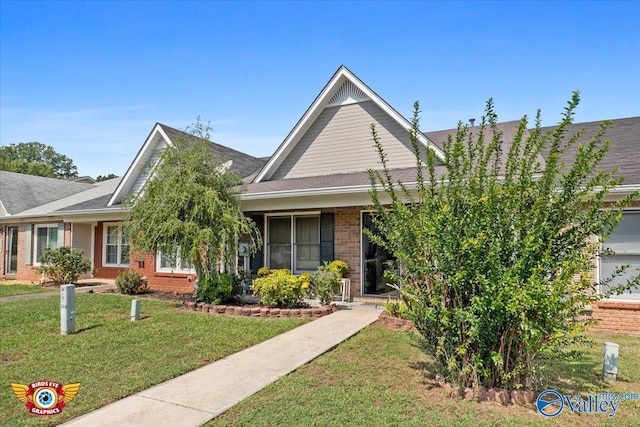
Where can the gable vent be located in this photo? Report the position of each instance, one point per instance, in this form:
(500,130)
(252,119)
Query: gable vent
(347,94)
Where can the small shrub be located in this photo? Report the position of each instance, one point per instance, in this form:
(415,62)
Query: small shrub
(218,288)
(280,288)
(64,265)
(131,282)
(397,308)
(339,267)
(326,283)
(264,271)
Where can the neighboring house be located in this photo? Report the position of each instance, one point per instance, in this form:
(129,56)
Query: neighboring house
(310,200)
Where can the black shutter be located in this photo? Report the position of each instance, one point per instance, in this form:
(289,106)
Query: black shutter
(257,259)
(326,237)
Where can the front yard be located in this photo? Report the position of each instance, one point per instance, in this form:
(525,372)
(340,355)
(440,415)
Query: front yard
(380,378)
(10,289)
(111,356)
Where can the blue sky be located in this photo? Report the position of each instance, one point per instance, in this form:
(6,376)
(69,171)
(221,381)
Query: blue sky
(92,78)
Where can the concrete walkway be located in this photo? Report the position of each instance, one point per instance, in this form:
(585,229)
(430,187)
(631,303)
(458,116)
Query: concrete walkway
(200,395)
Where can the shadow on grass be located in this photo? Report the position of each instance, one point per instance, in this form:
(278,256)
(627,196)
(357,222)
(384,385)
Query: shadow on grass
(88,328)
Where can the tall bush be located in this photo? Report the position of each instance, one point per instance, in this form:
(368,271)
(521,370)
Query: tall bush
(496,243)
(64,265)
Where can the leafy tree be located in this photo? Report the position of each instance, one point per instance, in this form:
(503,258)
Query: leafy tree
(191,207)
(35,158)
(497,247)
(101,178)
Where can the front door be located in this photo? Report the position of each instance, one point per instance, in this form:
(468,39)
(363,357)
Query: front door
(375,261)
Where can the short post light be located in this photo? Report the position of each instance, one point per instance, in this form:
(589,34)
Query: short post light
(67,309)
(610,362)
(135,310)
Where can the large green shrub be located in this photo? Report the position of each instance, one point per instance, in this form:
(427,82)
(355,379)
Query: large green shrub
(64,265)
(279,289)
(326,283)
(496,244)
(131,282)
(217,288)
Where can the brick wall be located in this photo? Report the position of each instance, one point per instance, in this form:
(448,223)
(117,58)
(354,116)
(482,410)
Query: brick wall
(618,317)
(347,242)
(158,281)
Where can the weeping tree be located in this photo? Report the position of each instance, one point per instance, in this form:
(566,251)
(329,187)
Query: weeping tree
(191,208)
(497,243)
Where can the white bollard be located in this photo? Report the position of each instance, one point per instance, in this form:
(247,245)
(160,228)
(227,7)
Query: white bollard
(135,310)
(67,309)
(610,362)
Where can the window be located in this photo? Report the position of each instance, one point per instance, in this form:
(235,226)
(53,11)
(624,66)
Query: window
(12,251)
(173,264)
(293,242)
(46,237)
(625,241)
(115,246)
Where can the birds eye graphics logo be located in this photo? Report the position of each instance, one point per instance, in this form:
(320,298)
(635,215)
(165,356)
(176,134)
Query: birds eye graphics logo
(45,397)
(550,403)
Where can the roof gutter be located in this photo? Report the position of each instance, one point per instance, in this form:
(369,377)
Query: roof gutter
(316,191)
(65,213)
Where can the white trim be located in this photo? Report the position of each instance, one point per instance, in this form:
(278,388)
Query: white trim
(105,226)
(93,248)
(135,168)
(335,83)
(177,270)
(36,262)
(292,213)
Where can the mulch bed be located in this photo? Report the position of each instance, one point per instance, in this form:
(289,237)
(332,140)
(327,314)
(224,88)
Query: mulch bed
(259,311)
(242,308)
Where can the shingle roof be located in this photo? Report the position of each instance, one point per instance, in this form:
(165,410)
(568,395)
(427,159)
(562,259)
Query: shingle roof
(19,192)
(243,164)
(624,152)
(405,175)
(93,198)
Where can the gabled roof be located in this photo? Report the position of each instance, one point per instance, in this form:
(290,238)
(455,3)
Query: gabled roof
(335,92)
(99,191)
(148,155)
(243,164)
(20,192)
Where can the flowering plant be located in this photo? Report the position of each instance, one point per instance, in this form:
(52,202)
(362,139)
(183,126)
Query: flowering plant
(339,267)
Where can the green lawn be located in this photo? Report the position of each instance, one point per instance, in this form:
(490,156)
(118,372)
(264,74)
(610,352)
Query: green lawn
(380,378)
(10,290)
(111,356)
